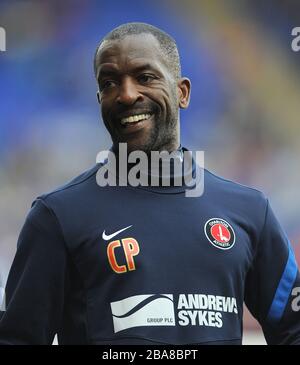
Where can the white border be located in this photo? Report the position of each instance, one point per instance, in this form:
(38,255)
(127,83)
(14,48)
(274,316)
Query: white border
(221,248)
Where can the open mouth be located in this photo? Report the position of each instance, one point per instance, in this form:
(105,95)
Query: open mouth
(135,119)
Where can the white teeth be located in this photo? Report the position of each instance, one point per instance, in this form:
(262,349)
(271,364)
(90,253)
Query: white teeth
(135,118)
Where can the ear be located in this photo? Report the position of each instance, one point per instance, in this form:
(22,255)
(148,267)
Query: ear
(98,97)
(184,88)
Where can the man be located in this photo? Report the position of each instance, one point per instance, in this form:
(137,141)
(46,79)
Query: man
(147,265)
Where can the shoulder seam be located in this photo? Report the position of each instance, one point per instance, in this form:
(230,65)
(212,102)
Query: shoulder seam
(50,210)
(69,185)
(233,182)
(263,226)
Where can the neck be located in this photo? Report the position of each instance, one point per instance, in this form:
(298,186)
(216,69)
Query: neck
(166,169)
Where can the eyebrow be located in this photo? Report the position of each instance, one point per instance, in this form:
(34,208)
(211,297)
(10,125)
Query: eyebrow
(109,70)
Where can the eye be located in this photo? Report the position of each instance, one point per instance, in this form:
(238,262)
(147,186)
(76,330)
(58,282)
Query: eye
(146,78)
(107,84)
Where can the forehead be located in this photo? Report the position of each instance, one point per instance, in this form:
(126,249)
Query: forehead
(132,50)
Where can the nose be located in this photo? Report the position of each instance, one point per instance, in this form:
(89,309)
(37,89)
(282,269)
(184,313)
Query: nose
(128,92)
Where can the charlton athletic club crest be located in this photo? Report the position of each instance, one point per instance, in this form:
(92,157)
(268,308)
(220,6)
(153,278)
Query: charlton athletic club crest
(219,233)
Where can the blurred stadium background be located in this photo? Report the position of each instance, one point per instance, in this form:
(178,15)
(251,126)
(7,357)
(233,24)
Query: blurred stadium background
(244,112)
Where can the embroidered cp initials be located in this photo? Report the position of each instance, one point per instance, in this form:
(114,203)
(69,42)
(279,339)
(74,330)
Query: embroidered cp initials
(130,247)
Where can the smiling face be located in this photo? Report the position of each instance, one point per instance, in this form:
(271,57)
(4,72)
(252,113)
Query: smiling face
(139,95)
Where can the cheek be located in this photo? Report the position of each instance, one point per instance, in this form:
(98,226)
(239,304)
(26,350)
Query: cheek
(169,96)
(104,110)
(169,102)
(161,96)
(103,102)
(106,117)
(107,97)
(105,105)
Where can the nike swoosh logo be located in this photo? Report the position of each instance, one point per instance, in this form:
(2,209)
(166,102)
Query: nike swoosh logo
(109,237)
